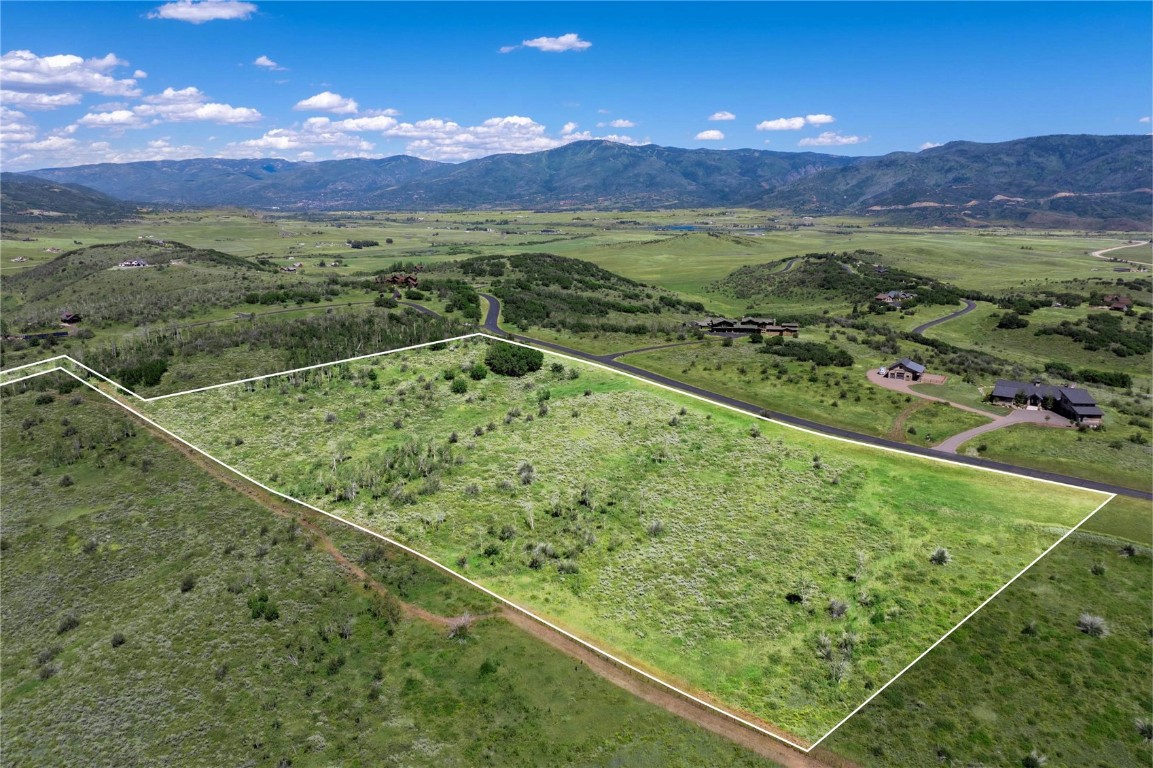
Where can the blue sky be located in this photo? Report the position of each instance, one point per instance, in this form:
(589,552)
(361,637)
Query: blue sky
(85,82)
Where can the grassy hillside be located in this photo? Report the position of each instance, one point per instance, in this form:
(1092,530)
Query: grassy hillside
(178,282)
(128,597)
(578,493)
(26,199)
(1021,676)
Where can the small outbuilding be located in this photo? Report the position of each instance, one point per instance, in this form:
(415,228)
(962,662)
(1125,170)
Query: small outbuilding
(905,370)
(69,318)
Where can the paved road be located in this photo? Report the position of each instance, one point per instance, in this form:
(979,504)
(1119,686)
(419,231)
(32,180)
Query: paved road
(969,307)
(492,325)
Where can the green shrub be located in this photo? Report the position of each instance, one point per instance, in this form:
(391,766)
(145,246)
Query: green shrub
(513,360)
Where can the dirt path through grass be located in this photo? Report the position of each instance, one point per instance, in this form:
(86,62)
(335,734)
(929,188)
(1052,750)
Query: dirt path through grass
(897,431)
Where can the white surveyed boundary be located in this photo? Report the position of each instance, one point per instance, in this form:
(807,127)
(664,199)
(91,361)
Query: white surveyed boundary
(505,601)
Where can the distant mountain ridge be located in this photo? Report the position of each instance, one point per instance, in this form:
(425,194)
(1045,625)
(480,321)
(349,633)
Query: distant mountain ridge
(1090,180)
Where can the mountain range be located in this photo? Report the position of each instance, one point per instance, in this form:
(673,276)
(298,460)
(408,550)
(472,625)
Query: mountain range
(1064,180)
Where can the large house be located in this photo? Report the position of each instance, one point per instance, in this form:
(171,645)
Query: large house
(762,325)
(1073,403)
(894,298)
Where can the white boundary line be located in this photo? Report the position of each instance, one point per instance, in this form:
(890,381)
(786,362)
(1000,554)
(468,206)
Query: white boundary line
(514,606)
(988,600)
(503,600)
(31,376)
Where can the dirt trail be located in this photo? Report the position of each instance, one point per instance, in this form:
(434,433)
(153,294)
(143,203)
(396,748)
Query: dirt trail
(619,676)
(897,431)
(1101,253)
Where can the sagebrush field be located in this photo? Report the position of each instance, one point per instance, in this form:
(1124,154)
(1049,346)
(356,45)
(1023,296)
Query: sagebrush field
(785,574)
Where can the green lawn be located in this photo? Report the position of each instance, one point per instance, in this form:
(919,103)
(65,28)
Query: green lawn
(1019,676)
(142,544)
(1108,456)
(795,388)
(589,510)
(936,421)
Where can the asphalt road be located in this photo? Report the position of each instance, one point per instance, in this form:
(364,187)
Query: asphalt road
(969,307)
(492,326)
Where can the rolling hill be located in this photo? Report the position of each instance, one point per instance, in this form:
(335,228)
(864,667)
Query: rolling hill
(28,198)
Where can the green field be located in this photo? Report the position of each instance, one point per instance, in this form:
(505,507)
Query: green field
(142,546)
(1109,456)
(580,498)
(840,397)
(977,330)
(1020,676)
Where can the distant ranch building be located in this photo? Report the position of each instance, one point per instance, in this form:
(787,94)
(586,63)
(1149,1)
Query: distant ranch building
(1073,403)
(1118,303)
(762,325)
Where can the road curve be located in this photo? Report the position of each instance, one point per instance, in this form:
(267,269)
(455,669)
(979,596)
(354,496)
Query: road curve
(969,307)
(492,325)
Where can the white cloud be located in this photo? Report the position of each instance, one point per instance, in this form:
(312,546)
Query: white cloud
(622,124)
(603,111)
(50,144)
(328,101)
(433,138)
(140,74)
(189,95)
(118,118)
(200,11)
(375,123)
(15,127)
(315,133)
(722,115)
(794,123)
(782,124)
(568,128)
(831,139)
(186,105)
(267,63)
(224,114)
(47,82)
(39,100)
(57,151)
(567,42)
(929,145)
(1143,120)
(710,136)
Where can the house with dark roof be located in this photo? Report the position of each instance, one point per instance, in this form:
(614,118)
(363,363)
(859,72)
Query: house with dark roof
(1118,303)
(763,325)
(1073,403)
(906,370)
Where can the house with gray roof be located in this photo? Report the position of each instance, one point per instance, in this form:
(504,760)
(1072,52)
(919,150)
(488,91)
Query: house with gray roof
(1073,403)
(906,370)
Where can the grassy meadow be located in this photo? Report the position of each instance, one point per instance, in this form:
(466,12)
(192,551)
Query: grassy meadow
(1120,454)
(129,579)
(1022,678)
(841,397)
(784,574)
